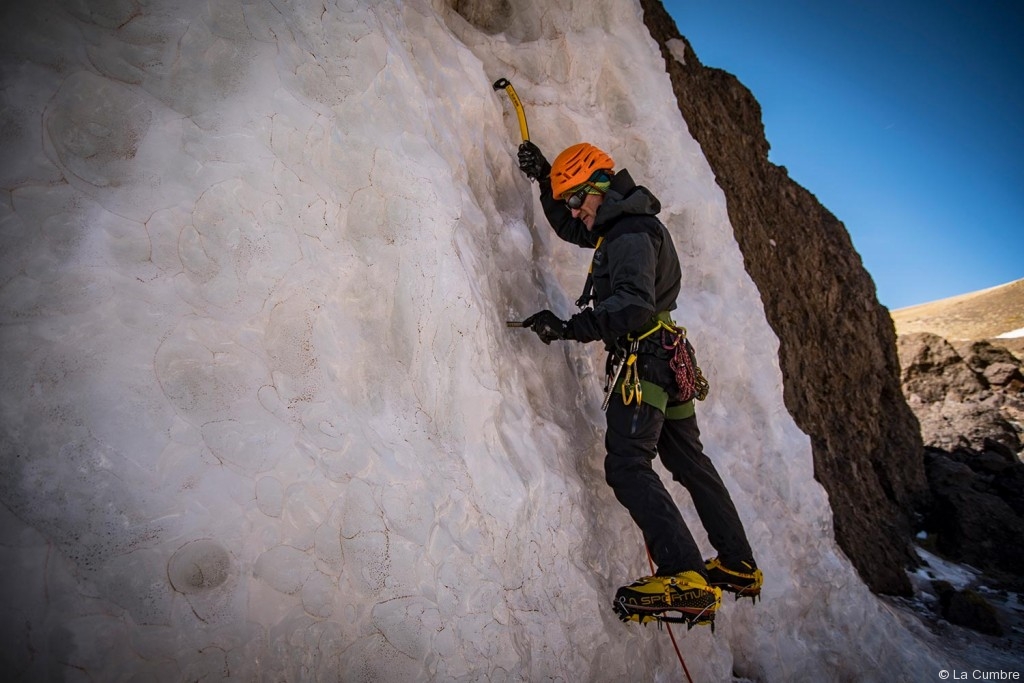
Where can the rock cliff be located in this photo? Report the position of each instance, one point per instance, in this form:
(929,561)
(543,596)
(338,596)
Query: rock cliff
(837,343)
(969,398)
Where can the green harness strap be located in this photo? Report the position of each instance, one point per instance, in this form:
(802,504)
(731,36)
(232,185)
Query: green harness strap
(657,397)
(681,411)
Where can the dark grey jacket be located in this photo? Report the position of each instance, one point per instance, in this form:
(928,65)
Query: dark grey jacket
(635,270)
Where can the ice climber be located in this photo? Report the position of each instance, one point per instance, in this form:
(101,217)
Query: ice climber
(633,285)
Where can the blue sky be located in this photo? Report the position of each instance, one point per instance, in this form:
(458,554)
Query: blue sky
(905,119)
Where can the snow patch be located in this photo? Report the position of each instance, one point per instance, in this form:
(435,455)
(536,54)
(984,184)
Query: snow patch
(678,49)
(934,568)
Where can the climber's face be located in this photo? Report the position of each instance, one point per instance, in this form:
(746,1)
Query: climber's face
(588,211)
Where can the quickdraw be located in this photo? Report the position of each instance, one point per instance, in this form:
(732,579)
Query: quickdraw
(631,386)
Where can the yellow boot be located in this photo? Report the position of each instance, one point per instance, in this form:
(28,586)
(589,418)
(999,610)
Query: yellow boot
(656,597)
(744,580)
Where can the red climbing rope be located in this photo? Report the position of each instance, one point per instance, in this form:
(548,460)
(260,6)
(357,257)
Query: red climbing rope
(671,635)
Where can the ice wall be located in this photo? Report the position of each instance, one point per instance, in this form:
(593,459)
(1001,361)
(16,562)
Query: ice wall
(261,418)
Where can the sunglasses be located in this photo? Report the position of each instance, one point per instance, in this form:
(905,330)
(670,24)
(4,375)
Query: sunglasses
(576,199)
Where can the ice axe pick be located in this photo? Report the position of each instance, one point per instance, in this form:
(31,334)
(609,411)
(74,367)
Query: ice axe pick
(504,84)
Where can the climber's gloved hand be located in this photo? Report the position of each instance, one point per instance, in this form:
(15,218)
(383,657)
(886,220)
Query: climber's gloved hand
(532,161)
(548,326)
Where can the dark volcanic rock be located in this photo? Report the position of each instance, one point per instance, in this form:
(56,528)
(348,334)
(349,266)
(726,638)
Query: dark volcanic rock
(1000,368)
(976,512)
(970,404)
(837,343)
(970,398)
(968,609)
(933,370)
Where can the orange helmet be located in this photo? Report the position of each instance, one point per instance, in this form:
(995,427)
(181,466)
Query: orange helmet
(575,165)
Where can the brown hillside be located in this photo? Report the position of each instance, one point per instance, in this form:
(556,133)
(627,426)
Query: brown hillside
(982,315)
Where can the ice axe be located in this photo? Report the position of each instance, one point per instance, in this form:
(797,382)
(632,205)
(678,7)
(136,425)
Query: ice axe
(504,84)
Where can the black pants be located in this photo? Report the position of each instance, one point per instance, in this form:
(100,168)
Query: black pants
(635,435)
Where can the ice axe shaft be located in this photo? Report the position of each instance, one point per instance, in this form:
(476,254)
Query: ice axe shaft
(504,84)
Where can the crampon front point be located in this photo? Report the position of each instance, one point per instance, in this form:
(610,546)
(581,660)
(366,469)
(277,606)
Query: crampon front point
(743,581)
(641,616)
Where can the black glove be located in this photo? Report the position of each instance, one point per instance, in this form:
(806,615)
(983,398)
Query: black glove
(548,326)
(532,161)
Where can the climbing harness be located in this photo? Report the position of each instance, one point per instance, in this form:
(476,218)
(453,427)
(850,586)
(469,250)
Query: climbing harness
(689,377)
(623,371)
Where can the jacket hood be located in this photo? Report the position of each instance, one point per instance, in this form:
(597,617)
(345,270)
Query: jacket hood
(625,197)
